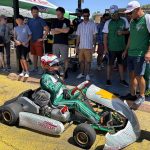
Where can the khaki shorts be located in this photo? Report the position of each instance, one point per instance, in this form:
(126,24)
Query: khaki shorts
(61,51)
(85,55)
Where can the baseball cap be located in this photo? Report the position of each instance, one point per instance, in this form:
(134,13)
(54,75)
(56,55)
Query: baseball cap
(132,5)
(113,9)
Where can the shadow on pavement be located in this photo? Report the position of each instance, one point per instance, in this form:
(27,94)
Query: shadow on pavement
(145,135)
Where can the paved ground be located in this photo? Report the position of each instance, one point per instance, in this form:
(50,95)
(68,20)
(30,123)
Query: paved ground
(13,138)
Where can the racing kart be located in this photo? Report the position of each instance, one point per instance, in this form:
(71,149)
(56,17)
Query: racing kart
(116,118)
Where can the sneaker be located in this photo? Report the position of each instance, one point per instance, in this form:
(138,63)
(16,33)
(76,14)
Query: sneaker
(22,74)
(99,68)
(129,97)
(124,83)
(108,83)
(66,74)
(26,75)
(80,76)
(87,78)
(140,100)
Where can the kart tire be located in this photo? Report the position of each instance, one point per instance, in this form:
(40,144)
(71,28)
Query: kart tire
(84,135)
(10,113)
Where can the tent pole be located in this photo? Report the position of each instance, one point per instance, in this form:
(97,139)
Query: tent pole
(16,13)
(79,4)
(16,8)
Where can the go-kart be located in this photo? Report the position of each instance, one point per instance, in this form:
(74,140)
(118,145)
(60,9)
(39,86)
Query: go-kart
(116,118)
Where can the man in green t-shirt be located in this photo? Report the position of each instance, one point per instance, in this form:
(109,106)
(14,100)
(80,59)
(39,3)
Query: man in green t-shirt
(138,49)
(114,42)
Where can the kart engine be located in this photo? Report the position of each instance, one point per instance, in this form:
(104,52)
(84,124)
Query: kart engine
(42,99)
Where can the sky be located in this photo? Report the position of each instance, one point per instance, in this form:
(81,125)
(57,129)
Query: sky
(94,5)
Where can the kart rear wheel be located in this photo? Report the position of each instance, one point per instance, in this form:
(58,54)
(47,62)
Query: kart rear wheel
(84,136)
(10,113)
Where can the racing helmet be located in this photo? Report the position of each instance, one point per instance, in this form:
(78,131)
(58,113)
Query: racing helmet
(49,60)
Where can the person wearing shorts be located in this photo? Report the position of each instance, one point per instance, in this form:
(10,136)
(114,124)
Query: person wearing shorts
(85,45)
(37,26)
(138,49)
(60,28)
(22,36)
(114,42)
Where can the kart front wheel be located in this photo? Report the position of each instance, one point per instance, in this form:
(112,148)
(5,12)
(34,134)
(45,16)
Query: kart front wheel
(84,136)
(10,113)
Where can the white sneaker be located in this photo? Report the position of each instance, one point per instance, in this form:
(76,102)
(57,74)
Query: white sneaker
(80,76)
(26,75)
(22,74)
(87,78)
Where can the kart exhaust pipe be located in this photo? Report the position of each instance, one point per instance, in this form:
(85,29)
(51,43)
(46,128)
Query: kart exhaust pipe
(7,116)
(40,123)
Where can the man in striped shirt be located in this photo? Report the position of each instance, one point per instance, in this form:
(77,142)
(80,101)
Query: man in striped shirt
(86,42)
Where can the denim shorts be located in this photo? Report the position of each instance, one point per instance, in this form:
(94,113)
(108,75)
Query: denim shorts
(136,64)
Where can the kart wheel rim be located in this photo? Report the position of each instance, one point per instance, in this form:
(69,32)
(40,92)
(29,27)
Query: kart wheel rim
(82,138)
(7,116)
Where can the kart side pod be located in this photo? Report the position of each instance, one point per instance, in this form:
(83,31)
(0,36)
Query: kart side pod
(40,123)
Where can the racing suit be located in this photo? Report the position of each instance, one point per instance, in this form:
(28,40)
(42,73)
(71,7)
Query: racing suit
(55,88)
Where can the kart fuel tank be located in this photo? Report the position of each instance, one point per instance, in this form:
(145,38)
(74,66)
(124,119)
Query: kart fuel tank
(40,123)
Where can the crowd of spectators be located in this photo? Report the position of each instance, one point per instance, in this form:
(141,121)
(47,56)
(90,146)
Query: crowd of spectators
(122,41)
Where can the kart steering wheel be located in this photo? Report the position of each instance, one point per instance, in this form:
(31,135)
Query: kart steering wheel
(80,87)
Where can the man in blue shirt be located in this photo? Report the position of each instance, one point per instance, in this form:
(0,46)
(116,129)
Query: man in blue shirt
(37,26)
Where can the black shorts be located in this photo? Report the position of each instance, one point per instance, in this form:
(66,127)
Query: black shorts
(113,55)
(21,52)
(1,49)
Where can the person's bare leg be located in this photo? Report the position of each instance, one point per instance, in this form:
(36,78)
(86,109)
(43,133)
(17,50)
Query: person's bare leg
(35,61)
(2,60)
(22,64)
(66,65)
(142,85)
(82,67)
(121,72)
(109,71)
(98,60)
(25,65)
(87,68)
(133,83)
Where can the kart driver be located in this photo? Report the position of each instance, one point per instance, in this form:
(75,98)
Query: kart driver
(51,83)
